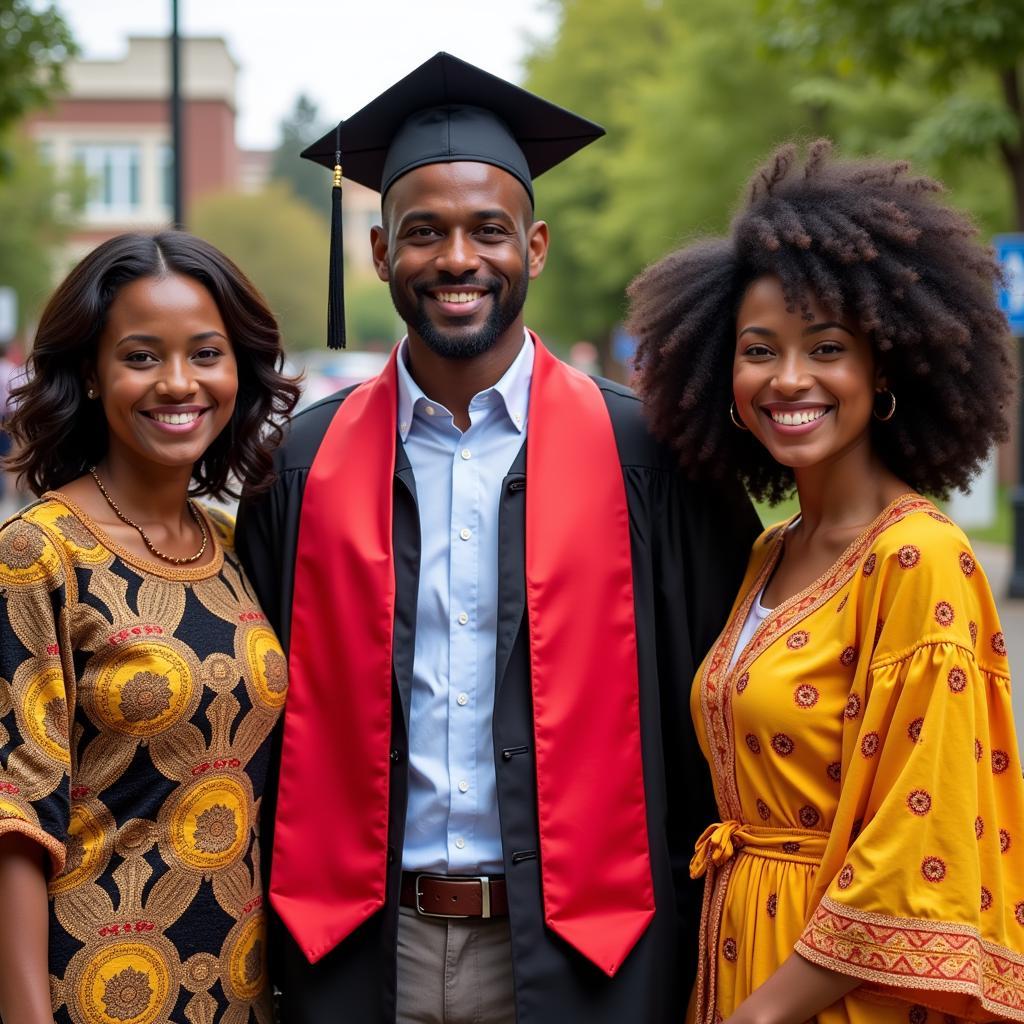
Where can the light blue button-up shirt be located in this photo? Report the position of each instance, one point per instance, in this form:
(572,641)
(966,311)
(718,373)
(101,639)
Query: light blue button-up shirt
(451,824)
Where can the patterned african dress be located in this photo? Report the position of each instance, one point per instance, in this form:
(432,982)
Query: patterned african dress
(869,784)
(136,705)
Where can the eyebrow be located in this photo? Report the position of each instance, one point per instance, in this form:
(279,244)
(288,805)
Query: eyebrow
(154,339)
(827,325)
(494,215)
(764,332)
(427,217)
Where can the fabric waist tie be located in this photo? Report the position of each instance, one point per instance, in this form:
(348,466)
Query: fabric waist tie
(720,842)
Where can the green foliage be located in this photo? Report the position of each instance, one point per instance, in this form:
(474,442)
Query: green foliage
(694,95)
(883,36)
(308,181)
(370,318)
(34,44)
(37,211)
(282,246)
(690,105)
(965,57)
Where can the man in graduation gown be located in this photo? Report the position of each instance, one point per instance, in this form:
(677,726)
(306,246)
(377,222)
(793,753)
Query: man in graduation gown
(494,589)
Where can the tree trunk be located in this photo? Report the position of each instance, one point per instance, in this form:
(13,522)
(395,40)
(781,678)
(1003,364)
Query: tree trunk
(1013,153)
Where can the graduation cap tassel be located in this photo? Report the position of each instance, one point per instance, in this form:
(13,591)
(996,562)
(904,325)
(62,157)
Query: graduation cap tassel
(336,285)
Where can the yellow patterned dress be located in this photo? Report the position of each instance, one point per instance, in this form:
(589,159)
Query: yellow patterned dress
(136,705)
(869,785)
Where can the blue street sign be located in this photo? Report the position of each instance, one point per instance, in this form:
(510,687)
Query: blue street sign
(1010,253)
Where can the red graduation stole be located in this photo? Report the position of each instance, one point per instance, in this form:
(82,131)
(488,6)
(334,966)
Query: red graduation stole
(331,831)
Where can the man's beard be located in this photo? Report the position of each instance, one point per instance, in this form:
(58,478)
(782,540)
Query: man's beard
(461,344)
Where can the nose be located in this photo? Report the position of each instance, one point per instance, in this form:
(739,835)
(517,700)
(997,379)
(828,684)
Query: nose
(177,380)
(458,255)
(792,375)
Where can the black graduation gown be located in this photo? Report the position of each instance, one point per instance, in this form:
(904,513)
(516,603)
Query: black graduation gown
(689,548)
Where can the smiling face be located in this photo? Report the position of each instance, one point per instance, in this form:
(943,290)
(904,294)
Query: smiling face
(165,372)
(458,248)
(804,388)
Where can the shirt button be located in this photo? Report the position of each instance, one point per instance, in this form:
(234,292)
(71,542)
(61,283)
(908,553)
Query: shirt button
(465,533)
(460,843)
(405,427)
(462,700)
(429,410)
(463,618)
(466,453)
(463,786)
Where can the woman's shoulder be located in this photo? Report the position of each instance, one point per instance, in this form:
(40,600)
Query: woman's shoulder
(30,545)
(771,533)
(917,534)
(921,577)
(223,522)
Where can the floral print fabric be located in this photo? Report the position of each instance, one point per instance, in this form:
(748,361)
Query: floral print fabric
(869,784)
(136,705)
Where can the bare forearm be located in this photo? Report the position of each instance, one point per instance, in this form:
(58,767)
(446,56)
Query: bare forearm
(795,993)
(24,933)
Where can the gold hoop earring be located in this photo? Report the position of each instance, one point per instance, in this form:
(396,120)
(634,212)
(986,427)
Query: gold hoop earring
(892,407)
(737,422)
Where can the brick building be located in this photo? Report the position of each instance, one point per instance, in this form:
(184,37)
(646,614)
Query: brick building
(115,123)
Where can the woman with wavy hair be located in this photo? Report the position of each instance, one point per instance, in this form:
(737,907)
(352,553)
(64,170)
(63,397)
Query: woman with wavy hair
(843,339)
(139,681)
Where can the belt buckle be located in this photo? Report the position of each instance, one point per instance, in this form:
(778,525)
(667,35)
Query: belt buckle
(485,894)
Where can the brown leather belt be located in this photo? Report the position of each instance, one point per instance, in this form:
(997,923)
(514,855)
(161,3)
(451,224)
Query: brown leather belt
(454,895)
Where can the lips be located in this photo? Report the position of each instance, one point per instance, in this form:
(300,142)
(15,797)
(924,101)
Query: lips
(175,419)
(796,419)
(458,300)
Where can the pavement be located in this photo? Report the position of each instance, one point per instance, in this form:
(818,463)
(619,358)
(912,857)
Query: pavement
(997,561)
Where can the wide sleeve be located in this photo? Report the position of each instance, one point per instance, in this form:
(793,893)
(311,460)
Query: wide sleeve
(703,540)
(36,691)
(925,899)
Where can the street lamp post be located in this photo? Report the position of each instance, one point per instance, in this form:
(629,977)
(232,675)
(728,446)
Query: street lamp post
(177,148)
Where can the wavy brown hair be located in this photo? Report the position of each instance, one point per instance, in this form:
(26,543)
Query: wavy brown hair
(59,433)
(868,239)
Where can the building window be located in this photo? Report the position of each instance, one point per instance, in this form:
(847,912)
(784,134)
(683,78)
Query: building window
(113,171)
(166,176)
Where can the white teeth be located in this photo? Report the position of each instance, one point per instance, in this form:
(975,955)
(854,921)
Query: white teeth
(794,419)
(175,417)
(458,297)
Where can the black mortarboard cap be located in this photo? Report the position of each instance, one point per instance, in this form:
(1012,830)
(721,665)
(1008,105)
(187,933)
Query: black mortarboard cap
(444,111)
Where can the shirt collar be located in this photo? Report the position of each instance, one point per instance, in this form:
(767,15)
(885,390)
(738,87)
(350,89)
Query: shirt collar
(514,389)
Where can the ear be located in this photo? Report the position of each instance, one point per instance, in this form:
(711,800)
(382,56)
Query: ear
(537,247)
(881,383)
(379,248)
(89,379)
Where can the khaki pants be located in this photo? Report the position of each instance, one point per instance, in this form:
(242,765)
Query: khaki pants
(454,971)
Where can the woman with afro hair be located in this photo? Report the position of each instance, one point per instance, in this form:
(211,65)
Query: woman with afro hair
(855,711)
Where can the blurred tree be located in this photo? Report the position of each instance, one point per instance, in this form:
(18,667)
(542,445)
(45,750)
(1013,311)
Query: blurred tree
(370,318)
(690,106)
(34,44)
(308,181)
(282,246)
(37,210)
(967,55)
